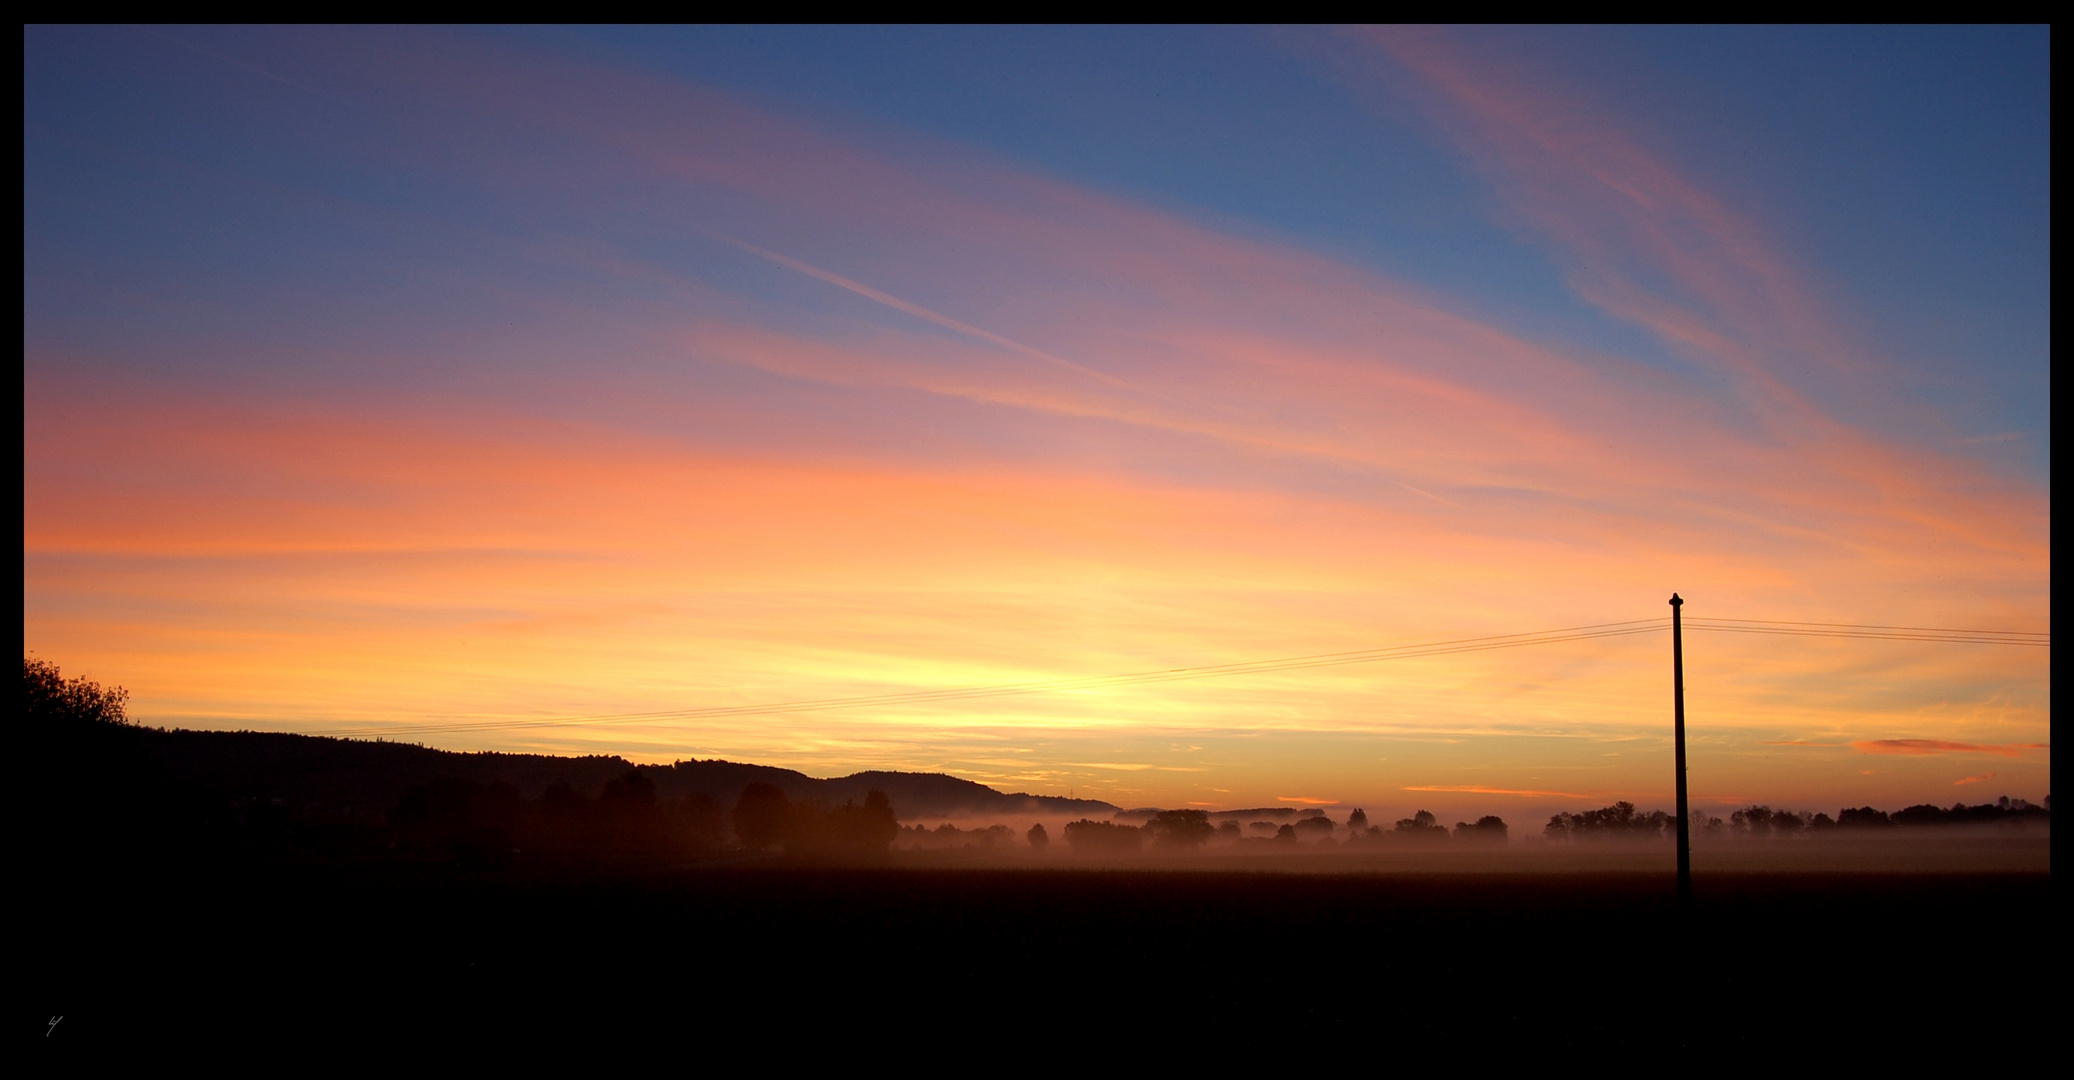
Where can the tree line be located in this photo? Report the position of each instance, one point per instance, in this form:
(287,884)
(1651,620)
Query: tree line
(134,806)
(1190,830)
(1622,821)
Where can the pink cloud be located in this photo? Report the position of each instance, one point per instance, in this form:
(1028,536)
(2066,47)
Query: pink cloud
(1624,213)
(1651,245)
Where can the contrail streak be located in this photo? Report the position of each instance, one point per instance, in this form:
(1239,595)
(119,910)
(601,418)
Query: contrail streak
(921,312)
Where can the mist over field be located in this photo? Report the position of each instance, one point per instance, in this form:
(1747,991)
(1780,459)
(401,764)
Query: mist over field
(2016,844)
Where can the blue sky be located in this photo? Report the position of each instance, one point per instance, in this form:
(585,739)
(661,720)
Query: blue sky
(1909,166)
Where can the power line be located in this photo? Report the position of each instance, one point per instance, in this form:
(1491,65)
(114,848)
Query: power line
(1873,632)
(1873,626)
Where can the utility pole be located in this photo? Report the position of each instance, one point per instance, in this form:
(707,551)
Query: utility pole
(1678,739)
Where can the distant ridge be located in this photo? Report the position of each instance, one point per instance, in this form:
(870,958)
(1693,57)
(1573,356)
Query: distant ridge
(362,777)
(914,795)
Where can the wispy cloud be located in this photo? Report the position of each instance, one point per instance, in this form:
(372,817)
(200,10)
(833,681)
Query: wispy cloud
(1926,747)
(1964,780)
(1479,789)
(1647,243)
(921,312)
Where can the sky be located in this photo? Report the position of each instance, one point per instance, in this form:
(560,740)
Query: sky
(591,391)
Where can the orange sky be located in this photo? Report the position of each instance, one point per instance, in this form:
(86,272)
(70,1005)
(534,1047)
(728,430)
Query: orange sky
(1022,430)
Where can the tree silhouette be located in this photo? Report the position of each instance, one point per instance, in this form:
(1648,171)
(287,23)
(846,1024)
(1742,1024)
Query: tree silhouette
(863,830)
(445,820)
(1752,820)
(700,822)
(1611,822)
(1422,826)
(57,702)
(1180,829)
(628,822)
(632,791)
(1102,836)
(877,824)
(761,816)
(1314,828)
(1863,817)
(1038,838)
(1489,829)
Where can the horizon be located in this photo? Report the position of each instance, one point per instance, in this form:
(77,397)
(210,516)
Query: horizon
(1292,809)
(964,384)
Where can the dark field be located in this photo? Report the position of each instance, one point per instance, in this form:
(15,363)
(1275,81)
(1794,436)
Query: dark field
(221,895)
(1853,966)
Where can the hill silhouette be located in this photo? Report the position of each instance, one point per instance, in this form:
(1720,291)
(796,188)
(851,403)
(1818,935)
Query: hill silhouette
(354,778)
